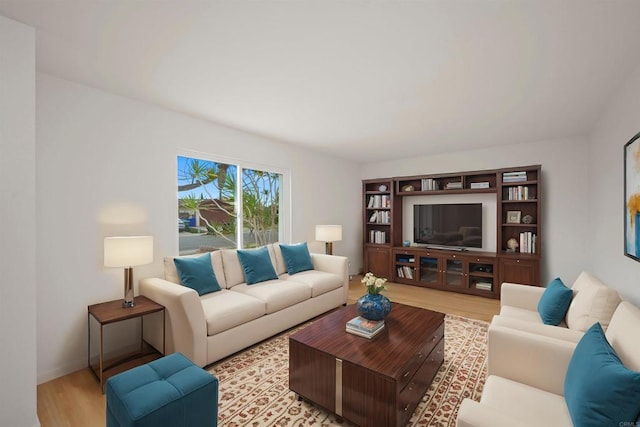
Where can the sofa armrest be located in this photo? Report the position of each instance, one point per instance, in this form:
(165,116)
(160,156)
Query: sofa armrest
(186,327)
(550,331)
(475,414)
(522,296)
(527,358)
(338,265)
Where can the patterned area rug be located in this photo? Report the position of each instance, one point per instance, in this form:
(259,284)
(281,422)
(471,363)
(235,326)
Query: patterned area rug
(254,388)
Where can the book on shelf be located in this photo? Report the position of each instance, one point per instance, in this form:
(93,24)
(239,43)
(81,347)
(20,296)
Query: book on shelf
(453,185)
(380,217)
(484,184)
(429,184)
(405,272)
(376,236)
(485,286)
(518,193)
(528,242)
(379,201)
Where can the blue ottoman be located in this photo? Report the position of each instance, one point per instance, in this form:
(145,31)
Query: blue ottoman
(170,391)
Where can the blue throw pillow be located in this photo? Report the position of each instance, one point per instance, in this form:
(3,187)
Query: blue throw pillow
(598,389)
(554,303)
(296,258)
(197,273)
(256,265)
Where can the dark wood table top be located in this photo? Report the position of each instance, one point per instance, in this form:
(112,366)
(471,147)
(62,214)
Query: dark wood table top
(113,311)
(406,331)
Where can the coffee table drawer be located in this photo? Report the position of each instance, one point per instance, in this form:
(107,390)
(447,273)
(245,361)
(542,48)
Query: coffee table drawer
(412,394)
(417,360)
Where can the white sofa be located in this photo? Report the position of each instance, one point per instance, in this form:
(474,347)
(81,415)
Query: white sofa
(592,301)
(526,374)
(212,326)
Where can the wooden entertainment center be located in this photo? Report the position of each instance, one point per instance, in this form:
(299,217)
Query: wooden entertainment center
(518,212)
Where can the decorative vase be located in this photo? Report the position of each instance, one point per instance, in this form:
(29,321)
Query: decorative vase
(373,307)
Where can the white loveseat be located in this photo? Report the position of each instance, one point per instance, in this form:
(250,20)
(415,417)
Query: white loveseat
(592,301)
(212,326)
(526,374)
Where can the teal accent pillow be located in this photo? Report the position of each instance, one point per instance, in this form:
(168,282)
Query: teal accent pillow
(197,273)
(598,388)
(256,265)
(296,257)
(554,303)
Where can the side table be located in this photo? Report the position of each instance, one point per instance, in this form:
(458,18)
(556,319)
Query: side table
(111,312)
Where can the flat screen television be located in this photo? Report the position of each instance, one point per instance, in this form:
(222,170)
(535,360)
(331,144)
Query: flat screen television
(456,225)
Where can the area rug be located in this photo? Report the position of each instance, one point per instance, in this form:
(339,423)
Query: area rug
(254,389)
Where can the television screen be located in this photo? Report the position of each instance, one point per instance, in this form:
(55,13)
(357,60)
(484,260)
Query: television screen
(451,225)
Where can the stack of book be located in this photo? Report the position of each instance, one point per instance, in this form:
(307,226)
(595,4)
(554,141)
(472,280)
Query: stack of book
(364,328)
(453,185)
(527,242)
(485,286)
(514,176)
(483,184)
(429,184)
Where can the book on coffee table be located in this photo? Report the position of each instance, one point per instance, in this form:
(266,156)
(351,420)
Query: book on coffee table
(364,334)
(363,327)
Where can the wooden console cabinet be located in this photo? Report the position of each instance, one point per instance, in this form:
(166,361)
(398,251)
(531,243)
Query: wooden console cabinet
(518,207)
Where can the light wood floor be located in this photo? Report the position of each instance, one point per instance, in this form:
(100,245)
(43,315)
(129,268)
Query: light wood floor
(75,400)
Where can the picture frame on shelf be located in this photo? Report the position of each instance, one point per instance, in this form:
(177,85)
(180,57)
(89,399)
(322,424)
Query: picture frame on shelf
(513,217)
(632,198)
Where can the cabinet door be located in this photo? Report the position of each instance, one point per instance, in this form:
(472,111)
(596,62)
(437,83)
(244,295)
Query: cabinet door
(455,272)
(378,261)
(429,270)
(519,270)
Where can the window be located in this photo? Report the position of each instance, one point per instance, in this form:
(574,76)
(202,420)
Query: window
(225,205)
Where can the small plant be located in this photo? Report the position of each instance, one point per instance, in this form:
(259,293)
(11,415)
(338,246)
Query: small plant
(374,284)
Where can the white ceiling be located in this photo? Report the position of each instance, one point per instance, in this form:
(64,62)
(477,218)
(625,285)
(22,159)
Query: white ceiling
(365,80)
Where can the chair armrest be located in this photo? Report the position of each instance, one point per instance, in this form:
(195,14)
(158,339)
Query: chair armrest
(338,265)
(475,414)
(527,358)
(522,296)
(186,327)
(550,331)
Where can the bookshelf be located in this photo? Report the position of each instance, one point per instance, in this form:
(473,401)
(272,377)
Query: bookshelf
(518,208)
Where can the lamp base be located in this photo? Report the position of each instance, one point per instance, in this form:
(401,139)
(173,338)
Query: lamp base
(328,248)
(128,289)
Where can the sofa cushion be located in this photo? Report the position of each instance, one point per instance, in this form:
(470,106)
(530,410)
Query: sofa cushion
(256,265)
(225,309)
(622,334)
(296,257)
(278,261)
(276,294)
(534,407)
(171,273)
(320,282)
(197,273)
(520,313)
(599,389)
(554,303)
(592,302)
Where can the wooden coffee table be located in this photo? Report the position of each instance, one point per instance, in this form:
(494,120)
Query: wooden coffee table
(377,382)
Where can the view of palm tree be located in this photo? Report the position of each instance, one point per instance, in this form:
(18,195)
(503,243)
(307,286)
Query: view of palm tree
(208,201)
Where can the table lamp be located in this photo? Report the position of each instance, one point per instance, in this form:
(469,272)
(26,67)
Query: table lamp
(127,252)
(328,234)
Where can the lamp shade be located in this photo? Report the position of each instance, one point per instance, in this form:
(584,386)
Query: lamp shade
(328,233)
(128,251)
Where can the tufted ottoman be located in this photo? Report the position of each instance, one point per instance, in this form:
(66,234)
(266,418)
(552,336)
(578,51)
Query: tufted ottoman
(170,391)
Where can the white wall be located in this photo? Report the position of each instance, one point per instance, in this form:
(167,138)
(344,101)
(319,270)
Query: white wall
(618,124)
(565,194)
(107,166)
(17,234)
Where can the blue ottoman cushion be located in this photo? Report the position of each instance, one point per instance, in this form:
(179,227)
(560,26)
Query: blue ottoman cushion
(170,391)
